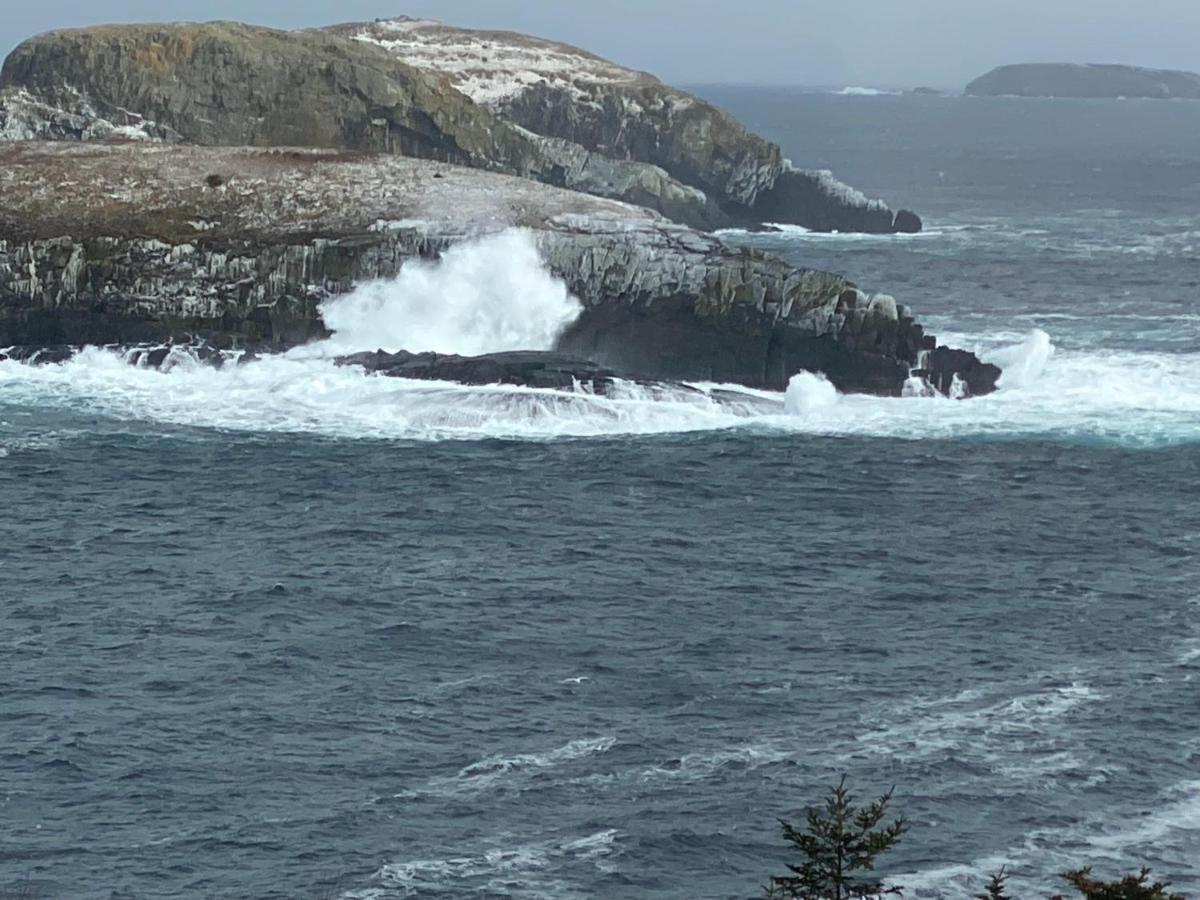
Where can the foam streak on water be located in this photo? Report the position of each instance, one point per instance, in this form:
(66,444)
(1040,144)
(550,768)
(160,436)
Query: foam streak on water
(1122,397)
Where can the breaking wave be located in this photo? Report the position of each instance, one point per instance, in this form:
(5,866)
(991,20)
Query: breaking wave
(808,394)
(484,296)
(1023,363)
(858,91)
(495,294)
(1136,399)
(785,234)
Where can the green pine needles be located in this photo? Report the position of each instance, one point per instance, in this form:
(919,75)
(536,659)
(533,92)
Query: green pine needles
(1130,887)
(995,889)
(841,842)
(839,846)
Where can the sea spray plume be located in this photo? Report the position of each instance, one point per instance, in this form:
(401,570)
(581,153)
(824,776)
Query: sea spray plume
(1023,363)
(808,392)
(483,296)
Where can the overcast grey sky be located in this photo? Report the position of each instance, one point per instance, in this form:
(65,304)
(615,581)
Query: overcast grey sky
(899,43)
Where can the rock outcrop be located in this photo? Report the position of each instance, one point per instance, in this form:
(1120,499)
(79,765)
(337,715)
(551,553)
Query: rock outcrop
(225,83)
(490,100)
(563,92)
(122,243)
(1086,81)
(524,368)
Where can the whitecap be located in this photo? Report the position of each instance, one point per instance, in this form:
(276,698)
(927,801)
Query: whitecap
(859,91)
(416,875)
(807,393)
(1023,364)
(487,771)
(482,296)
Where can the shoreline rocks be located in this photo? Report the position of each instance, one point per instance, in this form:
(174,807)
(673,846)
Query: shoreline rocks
(123,243)
(526,368)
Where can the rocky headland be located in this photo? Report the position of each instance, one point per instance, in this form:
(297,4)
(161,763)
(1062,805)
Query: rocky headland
(1086,82)
(493,100)
(129,242)
(215,184)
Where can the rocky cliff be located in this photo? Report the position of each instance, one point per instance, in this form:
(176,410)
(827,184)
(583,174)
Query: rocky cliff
(145,241)
(490,100)
(1086,81)
(559,91)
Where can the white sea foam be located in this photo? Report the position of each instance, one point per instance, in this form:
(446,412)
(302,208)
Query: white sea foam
(512,770)
(418,875)
(1024,363)
(985,728)
(858,91)
(495,294)
(497,766)
(808,394)
(1104,840)
(1177,812)
(1116,396)
(484,296)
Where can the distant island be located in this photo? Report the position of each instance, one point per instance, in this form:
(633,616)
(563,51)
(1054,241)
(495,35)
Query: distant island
(1085,81)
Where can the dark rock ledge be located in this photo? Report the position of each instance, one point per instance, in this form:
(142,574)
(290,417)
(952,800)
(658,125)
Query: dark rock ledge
(123,243)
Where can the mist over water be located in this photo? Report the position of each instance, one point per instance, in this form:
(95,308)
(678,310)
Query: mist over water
(287,630)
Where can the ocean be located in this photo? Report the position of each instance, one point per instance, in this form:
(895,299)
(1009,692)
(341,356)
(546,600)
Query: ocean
(283,631)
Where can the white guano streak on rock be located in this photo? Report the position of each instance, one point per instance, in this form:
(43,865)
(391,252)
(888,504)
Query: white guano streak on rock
(491,71)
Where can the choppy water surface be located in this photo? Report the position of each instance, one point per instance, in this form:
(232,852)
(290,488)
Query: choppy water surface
(285,631)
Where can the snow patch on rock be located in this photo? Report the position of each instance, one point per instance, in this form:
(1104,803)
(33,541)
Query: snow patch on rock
(493,67)
(23,117)
(841,191)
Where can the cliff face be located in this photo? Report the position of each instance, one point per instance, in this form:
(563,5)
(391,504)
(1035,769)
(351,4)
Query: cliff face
(495,101)
(231,84)
(128,242)
(1085,81)
(563,92)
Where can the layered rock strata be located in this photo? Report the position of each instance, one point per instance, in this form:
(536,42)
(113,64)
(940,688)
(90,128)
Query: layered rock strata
(491,100)
(119,243)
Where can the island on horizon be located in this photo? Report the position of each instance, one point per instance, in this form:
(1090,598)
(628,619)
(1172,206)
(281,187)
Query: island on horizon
(1086,81)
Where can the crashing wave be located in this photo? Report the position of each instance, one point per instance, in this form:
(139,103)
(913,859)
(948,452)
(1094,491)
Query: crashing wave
(857,91)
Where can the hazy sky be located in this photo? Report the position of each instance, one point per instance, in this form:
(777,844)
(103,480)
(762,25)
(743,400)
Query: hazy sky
(943,43)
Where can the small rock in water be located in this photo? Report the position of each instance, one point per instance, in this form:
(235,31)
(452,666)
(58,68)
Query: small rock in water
(907,222)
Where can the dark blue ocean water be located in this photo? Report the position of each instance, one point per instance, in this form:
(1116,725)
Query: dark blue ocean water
(280,633)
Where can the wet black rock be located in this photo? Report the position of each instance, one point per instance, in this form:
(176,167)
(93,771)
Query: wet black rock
(907,222)
(959,373)
(527,368)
